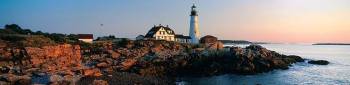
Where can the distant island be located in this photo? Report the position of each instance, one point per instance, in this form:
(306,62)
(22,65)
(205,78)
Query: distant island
(331,44)
(241,42)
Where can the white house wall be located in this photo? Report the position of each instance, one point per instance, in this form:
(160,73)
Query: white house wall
(161,34)
(86,40)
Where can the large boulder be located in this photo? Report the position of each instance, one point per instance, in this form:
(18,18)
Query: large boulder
(319,62)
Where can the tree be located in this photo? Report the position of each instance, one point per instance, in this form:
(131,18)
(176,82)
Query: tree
(14,28)
(110,37)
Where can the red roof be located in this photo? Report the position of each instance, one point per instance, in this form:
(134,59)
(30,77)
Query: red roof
(86,36)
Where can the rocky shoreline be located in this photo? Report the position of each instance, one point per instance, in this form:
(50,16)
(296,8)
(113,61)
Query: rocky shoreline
(133,62)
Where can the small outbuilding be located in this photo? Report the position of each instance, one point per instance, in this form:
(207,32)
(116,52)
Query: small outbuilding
(88,38)
(182,38)
(211,42)
(208,39)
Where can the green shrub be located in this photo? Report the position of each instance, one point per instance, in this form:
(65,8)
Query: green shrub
(122,43)
(37,41)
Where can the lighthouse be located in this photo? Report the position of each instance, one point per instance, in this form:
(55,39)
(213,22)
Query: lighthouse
(194,28)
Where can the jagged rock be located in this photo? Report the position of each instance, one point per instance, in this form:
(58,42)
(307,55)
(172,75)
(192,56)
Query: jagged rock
(61,83)
(56,78)
(21,80)
(128,78)
(109,70)
(4,83)
(127,64)
(114,55)
(100,82)
(3,44)
(102,65)
(279,64)
(92,72)
(129,44)
(4,69)
(157,48)
(319,62)
(297,58)
(68,79)
(250,60)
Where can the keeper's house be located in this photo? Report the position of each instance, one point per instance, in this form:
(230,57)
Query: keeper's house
(165,33)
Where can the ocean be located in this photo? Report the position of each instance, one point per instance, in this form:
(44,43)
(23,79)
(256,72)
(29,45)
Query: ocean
(336,73)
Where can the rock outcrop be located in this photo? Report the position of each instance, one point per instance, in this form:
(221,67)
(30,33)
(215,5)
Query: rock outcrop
(319,62)
(35,63)
(149,61)
(64,57)
(250,60)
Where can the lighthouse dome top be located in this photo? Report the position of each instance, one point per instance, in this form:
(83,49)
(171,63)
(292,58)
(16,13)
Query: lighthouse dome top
(194,11)
(194,6)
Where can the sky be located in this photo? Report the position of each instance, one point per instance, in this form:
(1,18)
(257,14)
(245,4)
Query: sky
(280,21)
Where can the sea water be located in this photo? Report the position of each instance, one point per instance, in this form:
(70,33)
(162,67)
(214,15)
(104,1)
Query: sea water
(336,73)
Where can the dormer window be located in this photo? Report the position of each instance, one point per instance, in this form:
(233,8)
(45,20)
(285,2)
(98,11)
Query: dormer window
(161,32)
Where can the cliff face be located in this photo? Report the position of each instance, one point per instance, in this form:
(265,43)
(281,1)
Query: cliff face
(55,58)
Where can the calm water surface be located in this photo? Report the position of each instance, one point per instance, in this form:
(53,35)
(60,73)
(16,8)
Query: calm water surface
(336,73)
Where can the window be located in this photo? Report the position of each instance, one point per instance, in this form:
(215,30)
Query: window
(161,32)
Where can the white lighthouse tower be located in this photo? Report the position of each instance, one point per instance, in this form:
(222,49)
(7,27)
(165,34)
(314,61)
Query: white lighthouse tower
(194,28)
